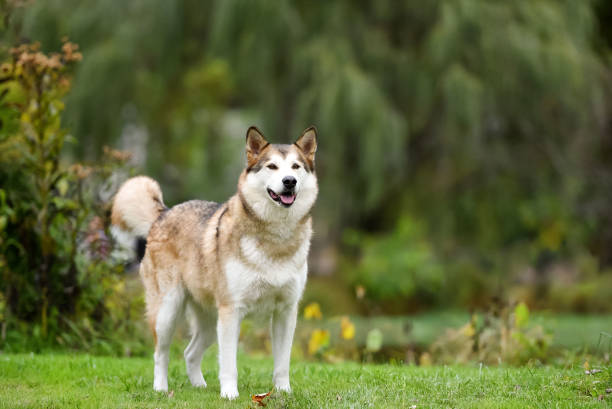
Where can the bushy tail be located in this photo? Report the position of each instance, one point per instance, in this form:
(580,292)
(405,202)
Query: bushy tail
(136,206)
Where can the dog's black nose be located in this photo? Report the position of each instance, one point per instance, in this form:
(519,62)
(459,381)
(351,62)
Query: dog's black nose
(289,182)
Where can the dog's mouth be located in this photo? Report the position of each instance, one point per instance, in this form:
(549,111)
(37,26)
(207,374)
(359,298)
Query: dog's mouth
(286,198)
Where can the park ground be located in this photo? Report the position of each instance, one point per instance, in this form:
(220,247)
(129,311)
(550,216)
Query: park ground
(86,381)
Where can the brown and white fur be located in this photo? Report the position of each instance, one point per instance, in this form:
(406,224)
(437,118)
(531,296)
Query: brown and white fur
(220,262)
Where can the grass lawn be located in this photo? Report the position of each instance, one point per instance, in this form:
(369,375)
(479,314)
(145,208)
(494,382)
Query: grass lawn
(84,381)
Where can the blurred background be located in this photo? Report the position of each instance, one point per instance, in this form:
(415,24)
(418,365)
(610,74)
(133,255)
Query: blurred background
(465,164)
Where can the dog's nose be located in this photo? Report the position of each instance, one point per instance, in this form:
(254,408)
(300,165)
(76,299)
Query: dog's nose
(289,182)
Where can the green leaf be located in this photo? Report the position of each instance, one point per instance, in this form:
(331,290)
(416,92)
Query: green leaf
(521,315)
(62,187)
(374,340)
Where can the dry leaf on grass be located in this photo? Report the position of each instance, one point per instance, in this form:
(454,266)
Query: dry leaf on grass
(259,398)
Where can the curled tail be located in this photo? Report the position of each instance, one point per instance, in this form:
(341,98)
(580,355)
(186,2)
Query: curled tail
(137,204)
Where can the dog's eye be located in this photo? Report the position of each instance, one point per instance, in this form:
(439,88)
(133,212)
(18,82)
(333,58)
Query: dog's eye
(272,166)
(295,166)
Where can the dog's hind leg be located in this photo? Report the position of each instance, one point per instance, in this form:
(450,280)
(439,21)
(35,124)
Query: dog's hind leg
(170,311)
(202,336)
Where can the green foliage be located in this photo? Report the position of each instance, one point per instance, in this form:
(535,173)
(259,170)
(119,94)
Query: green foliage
(54,244)
(499,336)
(592,295)
(396,268)
(485,121)
(374,340)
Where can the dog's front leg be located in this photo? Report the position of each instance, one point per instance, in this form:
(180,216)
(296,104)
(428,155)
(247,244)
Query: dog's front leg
(228,330)
(283,327)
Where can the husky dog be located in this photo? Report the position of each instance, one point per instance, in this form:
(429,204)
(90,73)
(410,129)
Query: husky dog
(220,262)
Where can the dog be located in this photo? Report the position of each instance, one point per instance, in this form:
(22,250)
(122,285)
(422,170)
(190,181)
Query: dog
(221,262)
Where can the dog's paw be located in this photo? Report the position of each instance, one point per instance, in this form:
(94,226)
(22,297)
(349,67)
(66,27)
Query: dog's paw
(199,383)
(197,380)
(160,387)
(160,379)
(282,385)
(229,392)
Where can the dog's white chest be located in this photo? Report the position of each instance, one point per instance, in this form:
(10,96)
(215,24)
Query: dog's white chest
(257,281)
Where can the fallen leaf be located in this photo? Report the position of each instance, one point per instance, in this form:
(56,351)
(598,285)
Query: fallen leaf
(609,390)
(259,398)
(338,397)
(600,397)
(171,393)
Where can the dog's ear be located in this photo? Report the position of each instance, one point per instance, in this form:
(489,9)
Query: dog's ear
(308,143)
(255,144)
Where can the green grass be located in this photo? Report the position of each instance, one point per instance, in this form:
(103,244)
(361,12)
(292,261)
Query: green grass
(84,381)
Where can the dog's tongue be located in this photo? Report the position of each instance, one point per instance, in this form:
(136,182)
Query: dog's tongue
(287,199)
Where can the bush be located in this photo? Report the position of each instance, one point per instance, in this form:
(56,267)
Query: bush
(55,249)
(398,270)
(502,335)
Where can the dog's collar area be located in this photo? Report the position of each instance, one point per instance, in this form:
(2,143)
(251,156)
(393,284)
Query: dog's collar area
(286,198)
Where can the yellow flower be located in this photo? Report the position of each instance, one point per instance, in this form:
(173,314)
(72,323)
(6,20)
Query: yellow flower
(468,330)
(312,310)
(319,339)
(425,359)
(347,328)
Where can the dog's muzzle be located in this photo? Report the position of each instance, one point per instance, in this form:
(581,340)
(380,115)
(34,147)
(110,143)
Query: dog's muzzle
(286,198)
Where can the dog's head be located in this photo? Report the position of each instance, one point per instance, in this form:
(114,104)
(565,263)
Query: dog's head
(280,180)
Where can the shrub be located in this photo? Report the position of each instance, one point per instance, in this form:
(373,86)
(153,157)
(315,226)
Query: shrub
(55,259)
(501,335)
(397,270)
